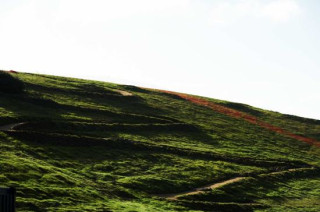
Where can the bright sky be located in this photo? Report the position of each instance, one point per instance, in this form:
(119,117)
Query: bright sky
(265,53)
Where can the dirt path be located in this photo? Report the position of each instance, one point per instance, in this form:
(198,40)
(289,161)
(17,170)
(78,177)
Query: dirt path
(124,93)
(203,189)
(10,126)
(199,190)
(241,115)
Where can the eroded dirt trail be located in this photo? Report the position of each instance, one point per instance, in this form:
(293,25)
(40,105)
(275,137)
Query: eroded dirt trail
(124,93)
(244,116)
(199,190)
(10,126)
(203,189)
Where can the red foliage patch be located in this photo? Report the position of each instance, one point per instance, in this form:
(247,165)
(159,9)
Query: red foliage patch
(244,116)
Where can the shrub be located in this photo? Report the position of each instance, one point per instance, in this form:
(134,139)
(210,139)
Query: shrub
(10,84)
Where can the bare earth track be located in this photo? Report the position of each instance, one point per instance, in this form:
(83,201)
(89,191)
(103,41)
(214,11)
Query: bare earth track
(199,190)
(175,196)
(124,93)
(241,115)
(10,126)
(203,189)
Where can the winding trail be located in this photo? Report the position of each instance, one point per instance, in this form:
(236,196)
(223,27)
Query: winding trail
(203,189)
(124,93)
(199,190)
(9,127)
(241,115)
(175,196)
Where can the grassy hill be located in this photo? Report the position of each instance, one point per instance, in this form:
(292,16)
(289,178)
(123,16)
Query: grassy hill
(93,146)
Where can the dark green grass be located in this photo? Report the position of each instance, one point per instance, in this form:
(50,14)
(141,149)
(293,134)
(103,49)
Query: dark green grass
(88,148)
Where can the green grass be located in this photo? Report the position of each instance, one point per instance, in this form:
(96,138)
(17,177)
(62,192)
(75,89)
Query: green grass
(86,147)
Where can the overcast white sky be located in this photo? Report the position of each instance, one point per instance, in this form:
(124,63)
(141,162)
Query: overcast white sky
(265,53)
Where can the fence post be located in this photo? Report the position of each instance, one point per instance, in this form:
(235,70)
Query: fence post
(7,199)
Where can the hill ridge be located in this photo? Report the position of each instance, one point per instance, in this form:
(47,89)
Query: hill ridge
(83,146)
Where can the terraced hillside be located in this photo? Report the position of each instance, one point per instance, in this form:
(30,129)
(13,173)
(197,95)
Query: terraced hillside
(78,145)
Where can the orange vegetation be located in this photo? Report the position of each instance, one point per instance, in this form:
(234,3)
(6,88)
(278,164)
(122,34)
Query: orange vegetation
(244,116)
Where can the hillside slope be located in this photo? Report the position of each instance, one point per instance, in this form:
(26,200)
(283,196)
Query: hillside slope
(78,145)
